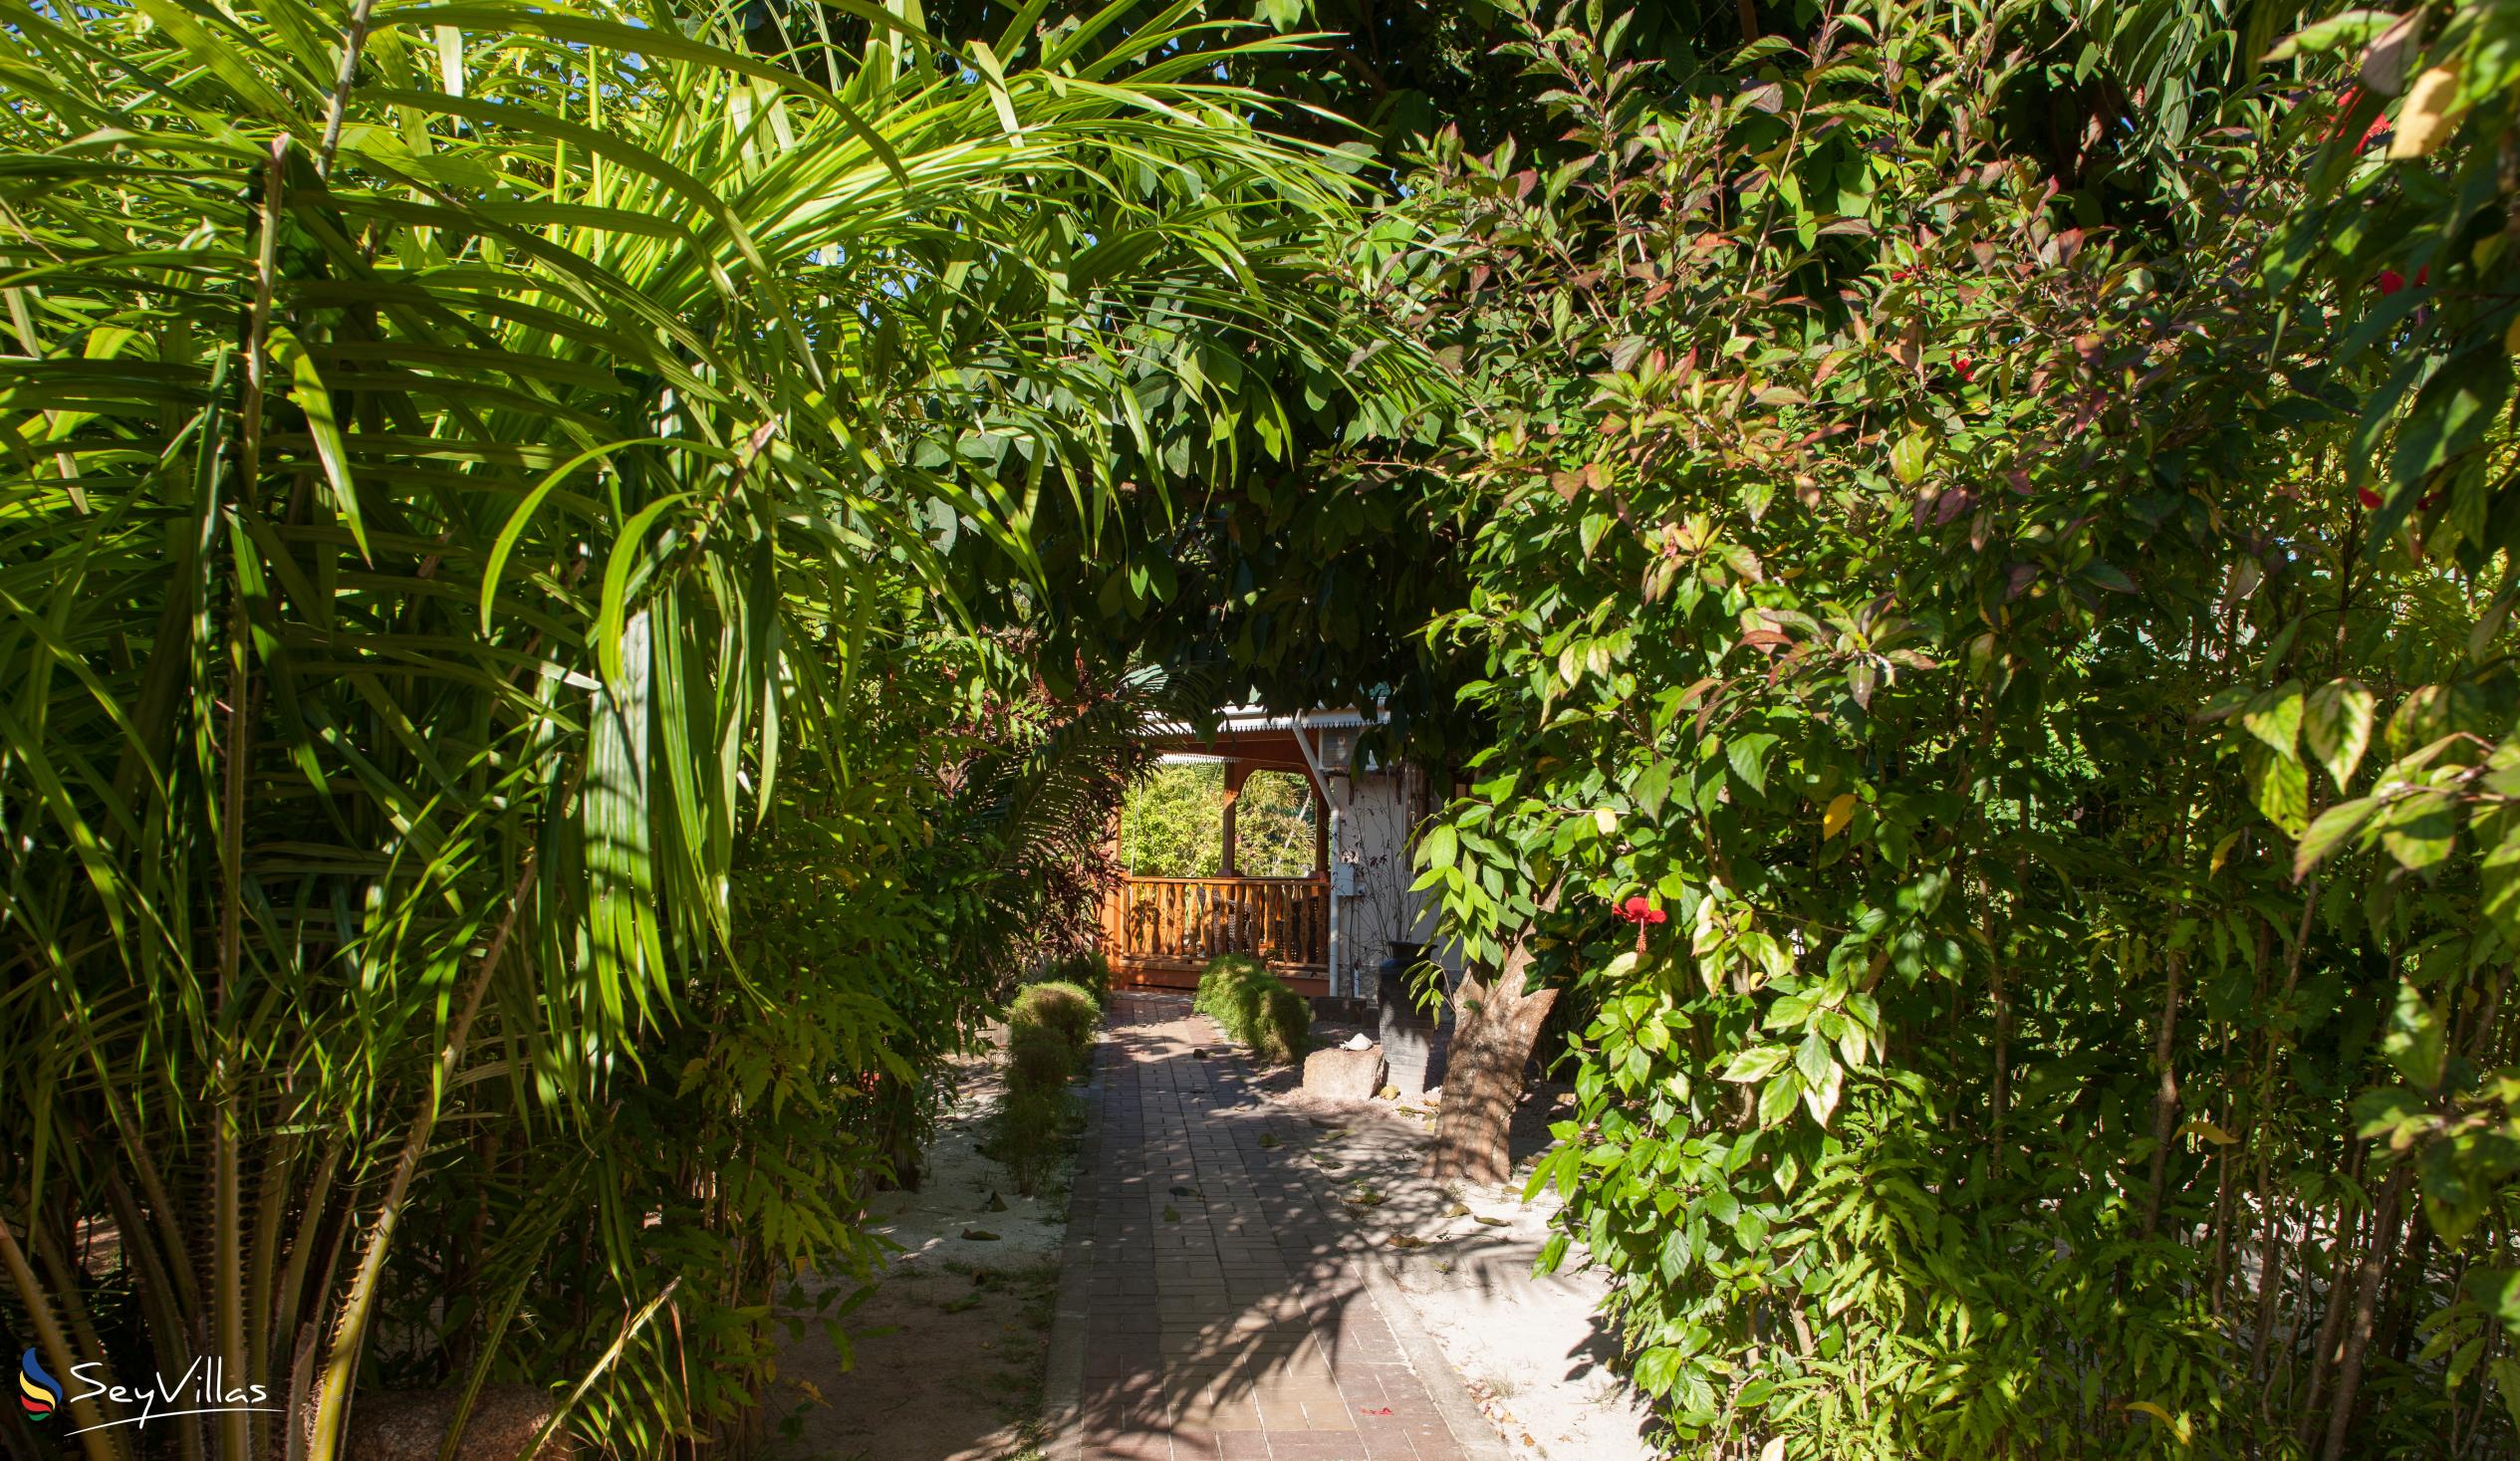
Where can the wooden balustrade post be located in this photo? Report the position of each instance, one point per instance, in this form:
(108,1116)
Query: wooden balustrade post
(1235,771)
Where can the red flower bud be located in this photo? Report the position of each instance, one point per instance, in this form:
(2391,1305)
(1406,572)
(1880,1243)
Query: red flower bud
(2390,281)
(2345,108)
(2368,496)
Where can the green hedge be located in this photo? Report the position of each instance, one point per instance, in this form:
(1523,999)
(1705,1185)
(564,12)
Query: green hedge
(1069,1009)
(1088,971)
(1049,1043)
(1255,1007)
(1036,1054)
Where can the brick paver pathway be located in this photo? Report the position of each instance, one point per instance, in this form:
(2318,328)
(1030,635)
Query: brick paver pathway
(1226,1309)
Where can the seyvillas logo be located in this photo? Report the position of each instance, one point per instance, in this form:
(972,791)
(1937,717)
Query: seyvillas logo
(202,1389)
(39,1394)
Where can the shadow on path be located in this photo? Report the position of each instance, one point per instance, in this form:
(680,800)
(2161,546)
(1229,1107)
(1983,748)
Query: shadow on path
(1229,1305)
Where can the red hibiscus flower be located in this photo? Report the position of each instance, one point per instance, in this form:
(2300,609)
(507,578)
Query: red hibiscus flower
(1638,911)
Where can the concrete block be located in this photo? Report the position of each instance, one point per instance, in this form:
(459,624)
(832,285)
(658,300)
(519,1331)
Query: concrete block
(1343,1075)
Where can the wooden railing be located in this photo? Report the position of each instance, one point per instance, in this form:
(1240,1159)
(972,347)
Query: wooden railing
(1189,920)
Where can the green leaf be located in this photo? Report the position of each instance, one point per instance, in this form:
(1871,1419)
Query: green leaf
(2329,833)
(1820,1096)
(523,516)
(2500,872)
(1778,1096)
(2282,790)
(629,553)
(2351,28)
(309,394)
(2419,1030)
(2418,830)
(1813,1059)
(1748,758)
(2274,716)
(2336,723)
(1657,1369)
(2109,576)
(1757,1063)
(2448,420)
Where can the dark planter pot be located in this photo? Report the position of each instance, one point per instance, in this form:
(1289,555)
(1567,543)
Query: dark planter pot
(1413,1039)
(1391,977)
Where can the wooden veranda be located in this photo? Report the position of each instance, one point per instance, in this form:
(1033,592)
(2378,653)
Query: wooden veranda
(1161,931)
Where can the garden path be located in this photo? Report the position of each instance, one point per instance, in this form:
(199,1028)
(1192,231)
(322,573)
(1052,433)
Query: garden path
(1215,1302)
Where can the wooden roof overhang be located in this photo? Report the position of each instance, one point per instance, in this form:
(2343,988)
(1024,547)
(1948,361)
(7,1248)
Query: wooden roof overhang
(1254,740)
(1255,750)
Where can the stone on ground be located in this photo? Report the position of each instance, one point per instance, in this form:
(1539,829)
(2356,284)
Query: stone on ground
(1343,1075)
(410,1425)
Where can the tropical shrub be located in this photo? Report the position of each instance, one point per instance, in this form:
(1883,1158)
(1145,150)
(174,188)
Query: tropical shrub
(506,804)
(1255,1008)
(1067,1011)
(2003,719)
(1039,1055)
(1088,971)
(1032,1131)
(1050,1033)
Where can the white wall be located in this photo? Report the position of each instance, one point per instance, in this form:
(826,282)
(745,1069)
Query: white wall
(1377,810)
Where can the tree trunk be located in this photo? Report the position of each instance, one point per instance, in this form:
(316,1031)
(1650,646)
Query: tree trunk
(1496,1023)
(2375,1266)
(2331,1323)
(2166,1101)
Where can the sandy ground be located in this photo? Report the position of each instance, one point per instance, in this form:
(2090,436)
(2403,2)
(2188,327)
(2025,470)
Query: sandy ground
(1528,1346)
(950,1350)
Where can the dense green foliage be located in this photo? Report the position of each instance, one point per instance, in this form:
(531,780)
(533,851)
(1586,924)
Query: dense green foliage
(577,580)
(1068,1011)
(1860,559)
(1173,825)
(506,812)
(1255,1008)
(1087,969)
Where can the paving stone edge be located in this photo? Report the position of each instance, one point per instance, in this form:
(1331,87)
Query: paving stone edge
(1063,1375)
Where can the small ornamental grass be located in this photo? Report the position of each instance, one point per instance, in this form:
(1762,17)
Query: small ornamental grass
(1255,1007)
(1049,1043)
